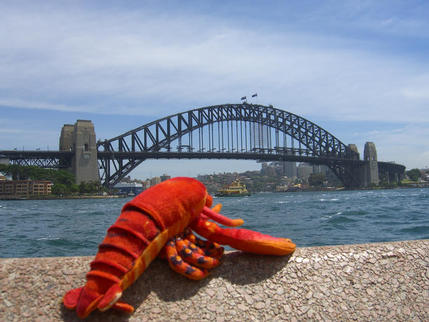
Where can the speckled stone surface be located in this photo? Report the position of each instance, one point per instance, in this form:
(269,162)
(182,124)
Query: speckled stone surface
(383,281)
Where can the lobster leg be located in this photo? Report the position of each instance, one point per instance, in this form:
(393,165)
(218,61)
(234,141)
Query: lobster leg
(210,248)
(192,246)
(242,239)
(124,307)
(192,255)
(178,265)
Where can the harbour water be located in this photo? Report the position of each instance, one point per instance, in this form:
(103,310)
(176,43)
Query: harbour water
(75,227)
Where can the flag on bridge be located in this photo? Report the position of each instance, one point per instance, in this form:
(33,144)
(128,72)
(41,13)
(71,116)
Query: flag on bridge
(254,95)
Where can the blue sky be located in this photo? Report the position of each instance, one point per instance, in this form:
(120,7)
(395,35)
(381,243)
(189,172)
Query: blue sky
(359,69)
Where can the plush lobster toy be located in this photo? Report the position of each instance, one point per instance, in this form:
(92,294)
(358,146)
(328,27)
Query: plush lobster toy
(160,221)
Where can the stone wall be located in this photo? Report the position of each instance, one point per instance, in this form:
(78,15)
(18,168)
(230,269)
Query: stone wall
(383,281)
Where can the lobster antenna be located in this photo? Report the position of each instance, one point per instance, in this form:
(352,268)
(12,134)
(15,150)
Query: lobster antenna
(222,219)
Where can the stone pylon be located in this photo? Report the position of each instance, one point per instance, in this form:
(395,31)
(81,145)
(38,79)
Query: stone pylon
(370,175)
(80,138)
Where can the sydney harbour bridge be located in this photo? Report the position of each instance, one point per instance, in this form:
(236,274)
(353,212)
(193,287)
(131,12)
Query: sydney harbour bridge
(228,131)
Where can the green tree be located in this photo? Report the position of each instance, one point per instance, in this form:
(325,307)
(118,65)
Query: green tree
(83,187)
(414,174)
(15,171)
(59,189)
(74,188)
(316,179)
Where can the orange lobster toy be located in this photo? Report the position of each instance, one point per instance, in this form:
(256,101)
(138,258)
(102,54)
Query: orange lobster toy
(159,220)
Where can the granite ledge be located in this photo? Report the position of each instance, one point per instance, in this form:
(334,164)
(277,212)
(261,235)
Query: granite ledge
(382,281)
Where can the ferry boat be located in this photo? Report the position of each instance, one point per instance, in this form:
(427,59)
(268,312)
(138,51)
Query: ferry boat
(282,188)
(235,189)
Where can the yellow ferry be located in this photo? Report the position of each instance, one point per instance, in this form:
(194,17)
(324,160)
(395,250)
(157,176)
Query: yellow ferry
(235,189)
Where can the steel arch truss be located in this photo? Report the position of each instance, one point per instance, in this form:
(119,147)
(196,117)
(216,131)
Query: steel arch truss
(245,130)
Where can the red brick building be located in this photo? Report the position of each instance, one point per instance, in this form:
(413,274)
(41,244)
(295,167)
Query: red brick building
(25,188)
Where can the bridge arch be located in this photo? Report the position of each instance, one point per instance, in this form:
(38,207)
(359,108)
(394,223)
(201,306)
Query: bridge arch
(239,131)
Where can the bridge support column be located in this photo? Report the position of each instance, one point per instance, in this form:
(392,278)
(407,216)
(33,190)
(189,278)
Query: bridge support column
(370,173)
(80,138)
(394,177)
(363,175)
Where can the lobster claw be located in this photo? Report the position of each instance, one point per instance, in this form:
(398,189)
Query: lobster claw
(242,239)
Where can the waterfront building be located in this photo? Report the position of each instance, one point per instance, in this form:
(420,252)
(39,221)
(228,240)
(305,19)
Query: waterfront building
(304,170)
(165,177)
(154,181)
(289,169)
(147,184)
(129,188)
(25,188)
(268,169)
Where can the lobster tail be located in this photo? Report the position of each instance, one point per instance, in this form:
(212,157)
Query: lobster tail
(71,298)
(83,299)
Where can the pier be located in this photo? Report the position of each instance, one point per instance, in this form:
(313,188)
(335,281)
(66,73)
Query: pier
(380,281)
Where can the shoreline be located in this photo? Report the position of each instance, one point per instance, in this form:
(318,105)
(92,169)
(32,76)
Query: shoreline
(53,197)
(63,197)
(382,281)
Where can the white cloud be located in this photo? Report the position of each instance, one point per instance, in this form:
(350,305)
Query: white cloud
(417,89)
(153,63)
(138,63)
(21,103)
(406,145)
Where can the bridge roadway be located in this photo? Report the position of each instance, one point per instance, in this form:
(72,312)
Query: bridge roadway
(48,159)
(43,159)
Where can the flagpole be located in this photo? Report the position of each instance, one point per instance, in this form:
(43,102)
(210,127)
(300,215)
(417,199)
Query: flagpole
(255,96)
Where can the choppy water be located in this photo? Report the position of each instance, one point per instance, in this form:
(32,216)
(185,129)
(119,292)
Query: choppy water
(76,227)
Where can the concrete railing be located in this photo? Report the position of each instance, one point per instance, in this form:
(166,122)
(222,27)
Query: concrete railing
(383,281)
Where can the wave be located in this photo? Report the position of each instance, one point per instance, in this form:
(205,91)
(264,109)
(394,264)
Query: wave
(341,220)
(48,238)
(328,200)
(73,228)
(416,230)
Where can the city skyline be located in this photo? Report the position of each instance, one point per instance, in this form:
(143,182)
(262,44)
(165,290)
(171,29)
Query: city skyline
(357,69)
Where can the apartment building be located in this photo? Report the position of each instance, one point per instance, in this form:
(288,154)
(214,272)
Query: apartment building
(25,188)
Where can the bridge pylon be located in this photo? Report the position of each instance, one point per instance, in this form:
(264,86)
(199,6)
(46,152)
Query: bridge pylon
(371,165)
(80,139)
(363,174)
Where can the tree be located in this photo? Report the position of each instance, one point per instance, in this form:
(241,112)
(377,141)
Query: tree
(74,188)
(59,189)
(90,187)
(83,187)
(316,179)
(414,174)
